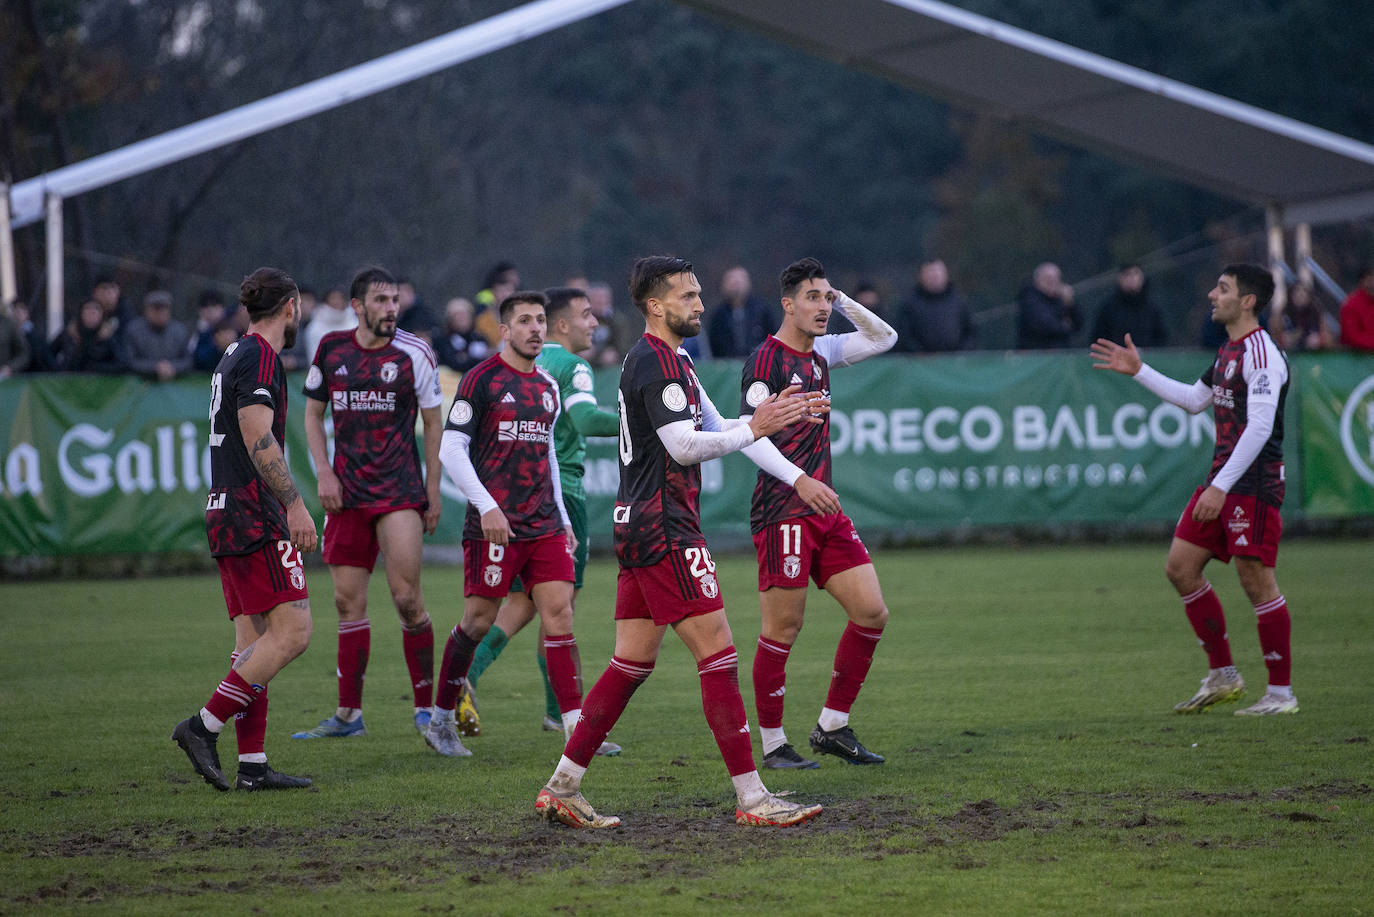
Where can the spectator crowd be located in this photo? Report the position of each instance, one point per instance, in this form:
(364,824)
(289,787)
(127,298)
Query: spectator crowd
(106,334)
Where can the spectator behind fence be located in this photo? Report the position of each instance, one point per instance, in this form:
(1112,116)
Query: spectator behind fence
(210,312)
(616,331)
(14,347)
(741,321)
(107,292)
(40,354)
(1048,317)
(1357,314)
(87,344)
(1301,324)
(458,345)
(936,318)
(501,281)
(155,344)
(414,316)
(1129,311)
(333,315)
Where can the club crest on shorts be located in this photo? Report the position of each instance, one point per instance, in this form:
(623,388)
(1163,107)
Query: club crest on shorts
(390,371)
(492,575)
(709,587)
(791,566)
(297,578)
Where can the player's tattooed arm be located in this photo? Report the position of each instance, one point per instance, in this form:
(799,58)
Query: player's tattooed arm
(256,423)
(267,456)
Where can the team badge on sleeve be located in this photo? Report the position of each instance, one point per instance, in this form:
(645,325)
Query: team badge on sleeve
(582,379)
(314,378)
(757,394)
(674,398)
(460,413)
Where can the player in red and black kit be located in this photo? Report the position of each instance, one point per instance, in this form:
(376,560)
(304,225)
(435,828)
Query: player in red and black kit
(498,448)
(799,529)
(375,380)
(257,527)
(667,577)
(1235,513)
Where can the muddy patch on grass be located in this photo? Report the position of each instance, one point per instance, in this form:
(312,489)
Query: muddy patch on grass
(689,841)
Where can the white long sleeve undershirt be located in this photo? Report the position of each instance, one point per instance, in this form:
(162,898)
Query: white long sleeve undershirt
(1192,398)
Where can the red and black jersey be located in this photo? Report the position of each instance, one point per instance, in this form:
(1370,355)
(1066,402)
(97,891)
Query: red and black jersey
(509,416)
(658,506)
(772,367)
(242,514)
(375,396)
(1253,365)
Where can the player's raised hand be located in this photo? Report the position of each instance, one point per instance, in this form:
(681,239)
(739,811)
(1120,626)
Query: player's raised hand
(495,528)
(1110,355)
(817,495)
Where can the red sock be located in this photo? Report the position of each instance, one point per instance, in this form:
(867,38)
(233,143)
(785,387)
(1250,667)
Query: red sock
(563,674)
(770,681)
(853,657)
(1209,623)
(603,706)
(724,707)
(454,669)
(355,643)
(1275,630)
(232,695)
(419,649)
(250,725)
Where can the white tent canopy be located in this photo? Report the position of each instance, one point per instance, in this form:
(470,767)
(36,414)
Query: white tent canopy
(1228,147)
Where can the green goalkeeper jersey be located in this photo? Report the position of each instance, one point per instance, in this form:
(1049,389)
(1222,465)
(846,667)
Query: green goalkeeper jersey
(580,416)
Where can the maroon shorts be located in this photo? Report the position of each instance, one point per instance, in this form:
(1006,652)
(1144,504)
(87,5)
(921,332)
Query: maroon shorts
(812,545)
(681,585)
(350,535)
(271,576)
(489,569)
(1245,528)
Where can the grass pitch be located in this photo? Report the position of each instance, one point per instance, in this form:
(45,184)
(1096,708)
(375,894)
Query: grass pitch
(1022,697)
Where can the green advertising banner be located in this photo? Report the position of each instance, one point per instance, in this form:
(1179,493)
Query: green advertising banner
(101,465)
(1337,394)
(941,443)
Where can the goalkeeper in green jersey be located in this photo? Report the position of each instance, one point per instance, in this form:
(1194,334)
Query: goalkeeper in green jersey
(570,326)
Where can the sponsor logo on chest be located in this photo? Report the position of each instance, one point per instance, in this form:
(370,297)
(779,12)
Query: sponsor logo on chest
(365,401)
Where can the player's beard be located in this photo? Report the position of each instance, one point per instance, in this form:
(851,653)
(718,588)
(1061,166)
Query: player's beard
(379,329)
(683,327)
(527,353)
(288,337)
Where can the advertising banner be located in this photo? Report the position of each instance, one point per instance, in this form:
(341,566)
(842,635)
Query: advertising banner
(1337,394)
(113,464)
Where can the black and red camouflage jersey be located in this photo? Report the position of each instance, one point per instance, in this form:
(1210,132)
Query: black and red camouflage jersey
(1255,363)
(658,506)
(375,396)
(772,367)
(509,417)
(242,514)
